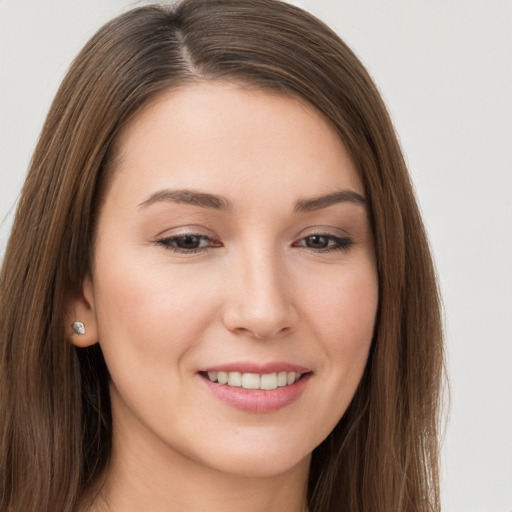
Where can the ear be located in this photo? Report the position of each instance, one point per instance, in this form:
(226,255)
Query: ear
(81,309)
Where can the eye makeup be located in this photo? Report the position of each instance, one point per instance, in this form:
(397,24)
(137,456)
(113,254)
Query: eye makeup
(193,243)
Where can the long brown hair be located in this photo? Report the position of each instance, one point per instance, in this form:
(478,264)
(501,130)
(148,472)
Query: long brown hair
(55,421)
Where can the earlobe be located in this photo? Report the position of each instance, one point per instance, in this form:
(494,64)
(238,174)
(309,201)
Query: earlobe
(81,320)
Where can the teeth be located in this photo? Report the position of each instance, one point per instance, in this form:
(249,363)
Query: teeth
(265,381)
(234,379)
(282,379)
(251,381)
(269,381)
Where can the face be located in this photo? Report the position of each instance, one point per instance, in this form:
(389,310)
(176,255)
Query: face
(234,287)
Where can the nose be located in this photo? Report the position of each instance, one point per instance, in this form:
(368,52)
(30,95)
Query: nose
(260,301)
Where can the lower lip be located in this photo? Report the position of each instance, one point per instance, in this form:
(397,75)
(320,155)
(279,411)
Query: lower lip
(258,400)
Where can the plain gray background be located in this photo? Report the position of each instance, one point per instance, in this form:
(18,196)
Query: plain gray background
(445,71)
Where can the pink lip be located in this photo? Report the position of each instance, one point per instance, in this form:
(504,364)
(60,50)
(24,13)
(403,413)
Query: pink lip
(248,367)
(257,400)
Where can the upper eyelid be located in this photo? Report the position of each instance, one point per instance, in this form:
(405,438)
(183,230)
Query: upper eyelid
(185,231)
(203,235)
(328,232)
(323,231)
(201,229)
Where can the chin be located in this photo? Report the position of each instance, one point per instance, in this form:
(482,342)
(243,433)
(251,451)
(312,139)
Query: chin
(264,457)
(264,464)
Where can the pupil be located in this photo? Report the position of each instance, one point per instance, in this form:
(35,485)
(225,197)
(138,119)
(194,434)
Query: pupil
(188,242)
(317,242)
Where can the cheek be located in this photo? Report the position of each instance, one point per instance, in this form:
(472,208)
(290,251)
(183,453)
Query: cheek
(345,305)
(342,313)
(357,309)
(147,309)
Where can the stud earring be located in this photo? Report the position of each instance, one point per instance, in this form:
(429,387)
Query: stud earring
(79,328)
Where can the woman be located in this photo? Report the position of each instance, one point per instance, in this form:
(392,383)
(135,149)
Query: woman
(218,289)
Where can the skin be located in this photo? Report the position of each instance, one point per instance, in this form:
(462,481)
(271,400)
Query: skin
(259,288)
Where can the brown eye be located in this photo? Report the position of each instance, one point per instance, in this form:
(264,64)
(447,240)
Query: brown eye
(317,241)
(187,242)
(325,243)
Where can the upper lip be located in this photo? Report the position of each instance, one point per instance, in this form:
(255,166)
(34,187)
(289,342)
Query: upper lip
(251,367)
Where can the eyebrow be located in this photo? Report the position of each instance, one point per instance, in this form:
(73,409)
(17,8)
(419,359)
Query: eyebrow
(340,196)
(191,197)
(216,202)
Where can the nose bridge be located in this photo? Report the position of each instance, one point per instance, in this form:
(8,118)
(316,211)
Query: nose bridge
(265,276)
(261,303)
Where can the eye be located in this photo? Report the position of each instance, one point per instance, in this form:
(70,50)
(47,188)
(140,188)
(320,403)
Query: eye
(325,243)
(188,243)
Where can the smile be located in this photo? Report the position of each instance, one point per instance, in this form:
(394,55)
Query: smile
(258,389)
(265,381)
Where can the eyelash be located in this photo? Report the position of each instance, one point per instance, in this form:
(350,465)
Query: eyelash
(340,243)
(167,243)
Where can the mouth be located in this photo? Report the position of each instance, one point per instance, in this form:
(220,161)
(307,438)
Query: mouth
(255,381)
(255,388)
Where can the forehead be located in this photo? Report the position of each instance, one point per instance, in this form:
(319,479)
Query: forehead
(220,135)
